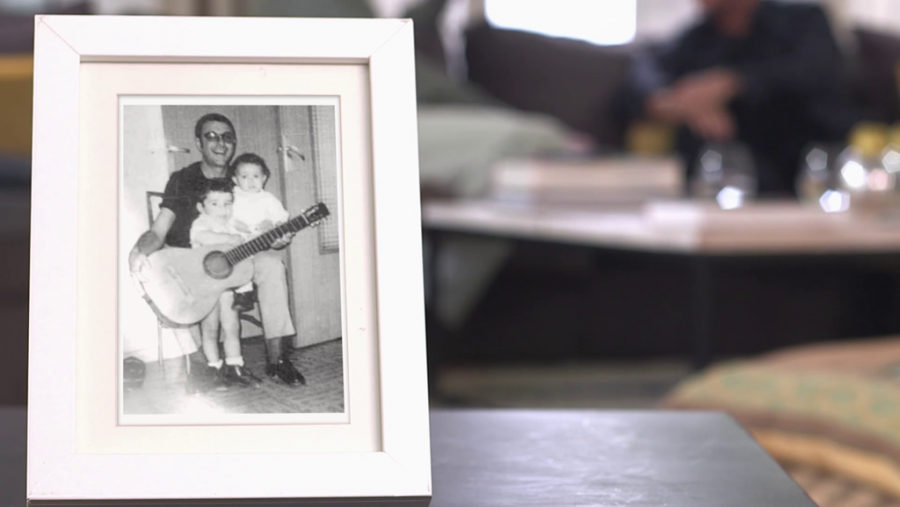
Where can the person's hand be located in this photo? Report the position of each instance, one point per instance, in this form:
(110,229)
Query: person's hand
(242,227)
(138,264)
(711,89)
(715,124)
(283,241)
(699,101)
(233,239)
(665,105)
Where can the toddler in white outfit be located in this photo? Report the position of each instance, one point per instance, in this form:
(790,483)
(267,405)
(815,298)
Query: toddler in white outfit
(255,210)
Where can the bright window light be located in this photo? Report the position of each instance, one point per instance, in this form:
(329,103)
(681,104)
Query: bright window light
(604,22)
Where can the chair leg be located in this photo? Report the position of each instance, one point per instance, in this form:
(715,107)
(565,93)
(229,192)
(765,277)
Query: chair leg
(161,355)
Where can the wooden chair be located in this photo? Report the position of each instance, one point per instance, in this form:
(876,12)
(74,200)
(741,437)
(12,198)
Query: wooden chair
(248,316)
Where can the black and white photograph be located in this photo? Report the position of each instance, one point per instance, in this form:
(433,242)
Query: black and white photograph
(230,310)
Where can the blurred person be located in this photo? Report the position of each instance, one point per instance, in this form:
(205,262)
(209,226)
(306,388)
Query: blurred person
(763,73)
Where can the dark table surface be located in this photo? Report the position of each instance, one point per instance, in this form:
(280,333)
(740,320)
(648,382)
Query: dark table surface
(569,458)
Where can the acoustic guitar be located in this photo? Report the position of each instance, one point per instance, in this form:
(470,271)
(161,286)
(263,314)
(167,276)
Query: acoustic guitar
(183,285)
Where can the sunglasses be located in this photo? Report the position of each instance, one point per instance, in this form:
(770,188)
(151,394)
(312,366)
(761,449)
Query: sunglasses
(227,137)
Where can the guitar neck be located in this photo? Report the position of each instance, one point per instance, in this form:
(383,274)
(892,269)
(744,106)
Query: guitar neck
(263,242)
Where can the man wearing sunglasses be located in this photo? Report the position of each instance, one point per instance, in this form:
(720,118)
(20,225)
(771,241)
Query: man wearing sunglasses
(216,140)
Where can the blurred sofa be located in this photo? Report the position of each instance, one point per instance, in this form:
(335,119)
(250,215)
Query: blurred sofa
(574,81)
(579,83)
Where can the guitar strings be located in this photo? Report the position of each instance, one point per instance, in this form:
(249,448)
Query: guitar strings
(295,225)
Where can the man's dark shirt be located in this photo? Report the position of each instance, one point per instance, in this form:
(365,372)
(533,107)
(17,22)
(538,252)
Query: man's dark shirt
(792,91)
(181,196)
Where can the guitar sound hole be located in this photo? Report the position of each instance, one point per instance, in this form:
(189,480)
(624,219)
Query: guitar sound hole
(216,265)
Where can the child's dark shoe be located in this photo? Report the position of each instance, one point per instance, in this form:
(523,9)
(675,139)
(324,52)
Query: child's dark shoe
(240,376)
(218,380)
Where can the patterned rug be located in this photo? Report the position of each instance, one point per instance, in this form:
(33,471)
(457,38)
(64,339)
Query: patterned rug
(829,490)
(163,391)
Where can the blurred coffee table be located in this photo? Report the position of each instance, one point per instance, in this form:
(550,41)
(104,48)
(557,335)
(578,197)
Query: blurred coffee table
(546,458)
(702,234)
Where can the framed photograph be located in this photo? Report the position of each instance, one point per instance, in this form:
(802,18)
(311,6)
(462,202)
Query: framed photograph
(271,331)
(226,284)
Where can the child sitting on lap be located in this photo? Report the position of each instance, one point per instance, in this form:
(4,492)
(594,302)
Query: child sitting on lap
(214,226)
(255,212)
(255,209)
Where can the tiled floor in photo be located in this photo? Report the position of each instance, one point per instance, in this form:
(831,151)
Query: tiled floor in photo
(163,391)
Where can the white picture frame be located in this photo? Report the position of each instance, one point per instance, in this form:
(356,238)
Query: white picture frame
(58,469)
